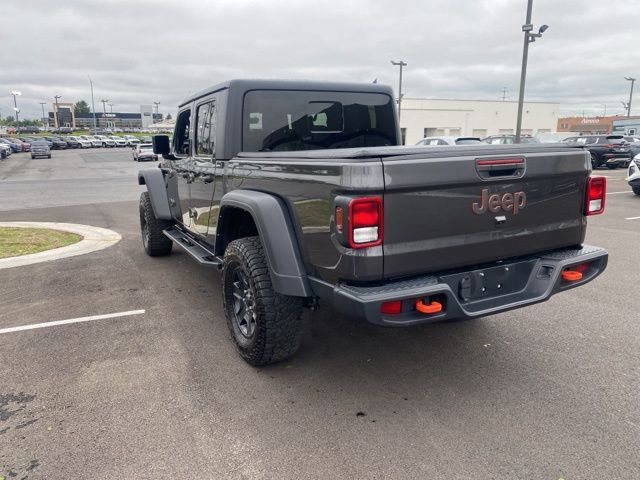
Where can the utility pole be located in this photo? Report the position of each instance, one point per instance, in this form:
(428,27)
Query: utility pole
(111,108)
(504,94)
(104,105)
(632,80)
(15,94)
(93,105)
(43,117)
(529,37)
(56,116)
(399,64)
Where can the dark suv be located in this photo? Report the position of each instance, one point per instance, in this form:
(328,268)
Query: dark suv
(611,151)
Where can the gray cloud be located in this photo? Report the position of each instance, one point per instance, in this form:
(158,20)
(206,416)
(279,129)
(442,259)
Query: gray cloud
(152,50)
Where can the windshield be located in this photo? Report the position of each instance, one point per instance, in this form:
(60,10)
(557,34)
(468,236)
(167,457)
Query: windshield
(290,121)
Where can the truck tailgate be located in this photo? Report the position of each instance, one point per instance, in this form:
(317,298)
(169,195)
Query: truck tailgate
(454,208)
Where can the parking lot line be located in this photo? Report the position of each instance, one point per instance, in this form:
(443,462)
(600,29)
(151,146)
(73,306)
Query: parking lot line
(632,218)
(617,193)
(70,321)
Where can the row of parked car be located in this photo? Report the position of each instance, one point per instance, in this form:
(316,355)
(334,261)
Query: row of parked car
(611,151)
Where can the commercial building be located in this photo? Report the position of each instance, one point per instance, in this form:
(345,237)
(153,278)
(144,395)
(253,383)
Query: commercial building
(425,117)
(587,125)
(124,121)
(626,125)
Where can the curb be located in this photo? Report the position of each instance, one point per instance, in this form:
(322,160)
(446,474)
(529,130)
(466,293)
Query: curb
(95,238)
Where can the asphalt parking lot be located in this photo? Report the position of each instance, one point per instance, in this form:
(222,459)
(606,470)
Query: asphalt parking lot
(546,392)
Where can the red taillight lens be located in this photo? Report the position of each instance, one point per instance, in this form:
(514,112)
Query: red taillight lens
(365,222)
(596,193)
(391,308)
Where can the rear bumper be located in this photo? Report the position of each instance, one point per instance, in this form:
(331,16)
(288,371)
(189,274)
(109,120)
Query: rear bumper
(473,293)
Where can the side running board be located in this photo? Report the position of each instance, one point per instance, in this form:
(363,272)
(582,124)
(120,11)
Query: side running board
(202,255)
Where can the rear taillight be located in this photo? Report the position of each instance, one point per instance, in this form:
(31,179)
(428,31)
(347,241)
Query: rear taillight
(364,222)
(595,195)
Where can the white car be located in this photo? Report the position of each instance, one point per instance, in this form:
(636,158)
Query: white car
(83,142)
(106,141)
(633,174)
(120,142)
(451,140)
(95,142)
(144,151)
(133,141)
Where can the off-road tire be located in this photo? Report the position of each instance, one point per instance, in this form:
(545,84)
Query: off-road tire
(155,243)
(277,319)
(636,190)
(612,167)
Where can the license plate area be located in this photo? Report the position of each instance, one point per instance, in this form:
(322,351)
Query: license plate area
(490,282)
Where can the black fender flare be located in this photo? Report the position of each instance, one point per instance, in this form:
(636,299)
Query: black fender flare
(157,188)
(277,235)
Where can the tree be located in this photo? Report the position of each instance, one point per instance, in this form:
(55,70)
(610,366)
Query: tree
(81,107)
(169,117)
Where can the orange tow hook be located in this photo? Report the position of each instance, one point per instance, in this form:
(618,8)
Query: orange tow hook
(571,275)
(431,307)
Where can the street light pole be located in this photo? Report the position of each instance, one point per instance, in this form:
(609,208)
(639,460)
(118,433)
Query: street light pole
(399,64)
(43,117)
(56,116)
(15,94)
(632,80)
(104,105)
(529,37)
(93,105)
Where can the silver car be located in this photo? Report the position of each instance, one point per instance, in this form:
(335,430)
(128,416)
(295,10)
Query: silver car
(40,148)
(450,140)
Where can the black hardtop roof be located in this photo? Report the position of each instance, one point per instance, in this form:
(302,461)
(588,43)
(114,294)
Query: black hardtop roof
(246,84)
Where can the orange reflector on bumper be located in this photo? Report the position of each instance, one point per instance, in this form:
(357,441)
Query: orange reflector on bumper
(432,307)
(571,275)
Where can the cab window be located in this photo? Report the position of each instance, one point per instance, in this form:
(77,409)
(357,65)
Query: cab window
(206,129)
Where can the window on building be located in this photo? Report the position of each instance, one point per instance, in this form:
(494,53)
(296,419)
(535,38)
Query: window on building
(206,129)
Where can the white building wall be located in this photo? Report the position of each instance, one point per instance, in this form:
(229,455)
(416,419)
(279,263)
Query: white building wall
(146,114)
(473,117)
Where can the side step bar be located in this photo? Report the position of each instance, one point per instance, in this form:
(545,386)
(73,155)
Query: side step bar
(193,248)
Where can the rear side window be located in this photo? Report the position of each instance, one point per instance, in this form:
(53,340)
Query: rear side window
(206,129)
(276,120)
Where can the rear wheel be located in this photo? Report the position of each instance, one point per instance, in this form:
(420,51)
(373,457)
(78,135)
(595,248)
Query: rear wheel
(266,327)
(155,242)
(636,190)
(612,167)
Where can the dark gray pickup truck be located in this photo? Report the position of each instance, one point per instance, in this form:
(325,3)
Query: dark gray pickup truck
(300,193)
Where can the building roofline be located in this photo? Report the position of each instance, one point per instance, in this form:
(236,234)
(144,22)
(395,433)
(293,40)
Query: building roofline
(475,100)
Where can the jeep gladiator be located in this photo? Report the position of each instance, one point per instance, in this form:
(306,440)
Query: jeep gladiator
(300,193)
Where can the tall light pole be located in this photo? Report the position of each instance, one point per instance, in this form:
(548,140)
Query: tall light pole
(93,105)
(56,116)
(43,117)
(15,94)
(632,80)
(157,104)
(104,105)
(529,37)
(399,64)
(111,108)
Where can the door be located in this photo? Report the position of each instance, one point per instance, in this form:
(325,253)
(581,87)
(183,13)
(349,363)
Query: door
(205,187)
(182,166)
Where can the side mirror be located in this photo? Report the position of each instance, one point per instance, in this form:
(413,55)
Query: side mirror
(161,145)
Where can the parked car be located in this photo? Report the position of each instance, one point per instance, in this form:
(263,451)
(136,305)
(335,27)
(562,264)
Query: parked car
(15,148)
(634,146)
(107,142)
(611,151)
(5,151)
(82,141)
(451,140)
(30,140)
(40,148)
(57,143)
(23,146)
(132,141)
(323,207)
(71,142)
(633,174)
(508,139)
(95,141)
(144,151)
(29,129)
(120,142)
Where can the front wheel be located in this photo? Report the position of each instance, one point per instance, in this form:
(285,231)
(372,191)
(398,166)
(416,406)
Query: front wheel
(636,190)
(266,326)
(155,243)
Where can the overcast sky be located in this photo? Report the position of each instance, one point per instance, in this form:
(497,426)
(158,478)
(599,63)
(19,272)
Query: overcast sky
(142,51)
